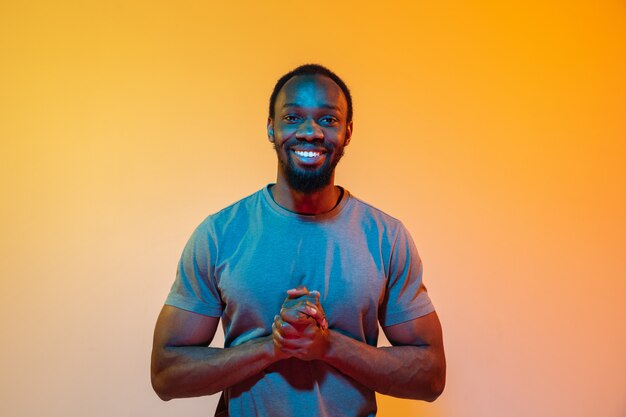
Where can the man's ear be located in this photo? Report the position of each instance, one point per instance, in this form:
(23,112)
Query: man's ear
(270,129)
(348,134)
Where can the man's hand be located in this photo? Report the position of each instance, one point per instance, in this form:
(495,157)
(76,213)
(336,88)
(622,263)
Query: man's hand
(301,329)
(308,303)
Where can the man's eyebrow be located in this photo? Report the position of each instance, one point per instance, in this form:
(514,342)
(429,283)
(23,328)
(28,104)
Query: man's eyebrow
(325,106)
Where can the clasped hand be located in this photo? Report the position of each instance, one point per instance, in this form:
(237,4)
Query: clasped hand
(301,329)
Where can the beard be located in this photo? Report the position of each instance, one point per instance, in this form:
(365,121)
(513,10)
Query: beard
(309,180)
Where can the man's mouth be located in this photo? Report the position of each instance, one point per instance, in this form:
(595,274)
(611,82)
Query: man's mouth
(308,154)
(311,157)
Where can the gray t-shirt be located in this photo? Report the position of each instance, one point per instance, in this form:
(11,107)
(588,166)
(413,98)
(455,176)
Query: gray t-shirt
(239,263)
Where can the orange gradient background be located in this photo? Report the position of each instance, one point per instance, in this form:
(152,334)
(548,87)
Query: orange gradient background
(495,130)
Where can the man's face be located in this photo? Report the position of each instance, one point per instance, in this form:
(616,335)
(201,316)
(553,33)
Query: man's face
(309,131)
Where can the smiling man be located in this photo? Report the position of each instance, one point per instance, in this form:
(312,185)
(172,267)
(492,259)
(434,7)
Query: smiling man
(309,147)
(301,273)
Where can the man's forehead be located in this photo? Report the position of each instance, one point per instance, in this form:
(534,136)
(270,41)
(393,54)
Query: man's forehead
(314,89)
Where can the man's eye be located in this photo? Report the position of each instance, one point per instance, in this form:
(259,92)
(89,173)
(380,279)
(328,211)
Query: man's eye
(290,118)
(328,120)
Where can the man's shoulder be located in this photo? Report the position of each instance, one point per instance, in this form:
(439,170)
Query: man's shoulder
(246,203)
(374,220)
(232,212)
(370,211)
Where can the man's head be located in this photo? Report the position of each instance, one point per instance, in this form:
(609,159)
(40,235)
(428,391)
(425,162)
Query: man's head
(310,123)
(310,69)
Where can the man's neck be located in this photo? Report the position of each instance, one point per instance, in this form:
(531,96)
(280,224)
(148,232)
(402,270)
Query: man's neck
(317,202)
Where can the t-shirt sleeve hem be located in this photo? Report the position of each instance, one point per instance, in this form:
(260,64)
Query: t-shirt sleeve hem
(176,300)
(423,307)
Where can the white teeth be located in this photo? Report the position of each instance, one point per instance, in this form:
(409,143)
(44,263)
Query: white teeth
(307,154)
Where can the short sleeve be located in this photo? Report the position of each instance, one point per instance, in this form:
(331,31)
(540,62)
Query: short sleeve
(406,297)
(195,288)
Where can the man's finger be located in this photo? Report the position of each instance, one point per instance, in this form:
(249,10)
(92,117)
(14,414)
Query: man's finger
(317,314)
(311,310)
(299,291)
(285,343)
(285,328)
(279,336)
(294,310)
(295,317)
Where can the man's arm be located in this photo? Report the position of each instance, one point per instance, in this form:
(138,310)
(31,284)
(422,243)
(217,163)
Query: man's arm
(184,366)
(414,367)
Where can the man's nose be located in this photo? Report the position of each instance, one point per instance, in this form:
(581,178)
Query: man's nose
(309,130)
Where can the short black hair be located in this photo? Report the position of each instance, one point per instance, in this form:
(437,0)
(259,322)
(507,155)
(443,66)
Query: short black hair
(310,69)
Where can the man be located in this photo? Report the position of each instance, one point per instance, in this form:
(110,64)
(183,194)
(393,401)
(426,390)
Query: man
(301,273)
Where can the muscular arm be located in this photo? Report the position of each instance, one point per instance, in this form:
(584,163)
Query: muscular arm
(414,367)
(184,366)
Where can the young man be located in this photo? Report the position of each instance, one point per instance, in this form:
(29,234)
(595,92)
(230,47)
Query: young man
(301,273)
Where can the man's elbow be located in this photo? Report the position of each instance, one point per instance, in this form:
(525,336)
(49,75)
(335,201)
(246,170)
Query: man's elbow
(437,385)
(168,387)
(160,386)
